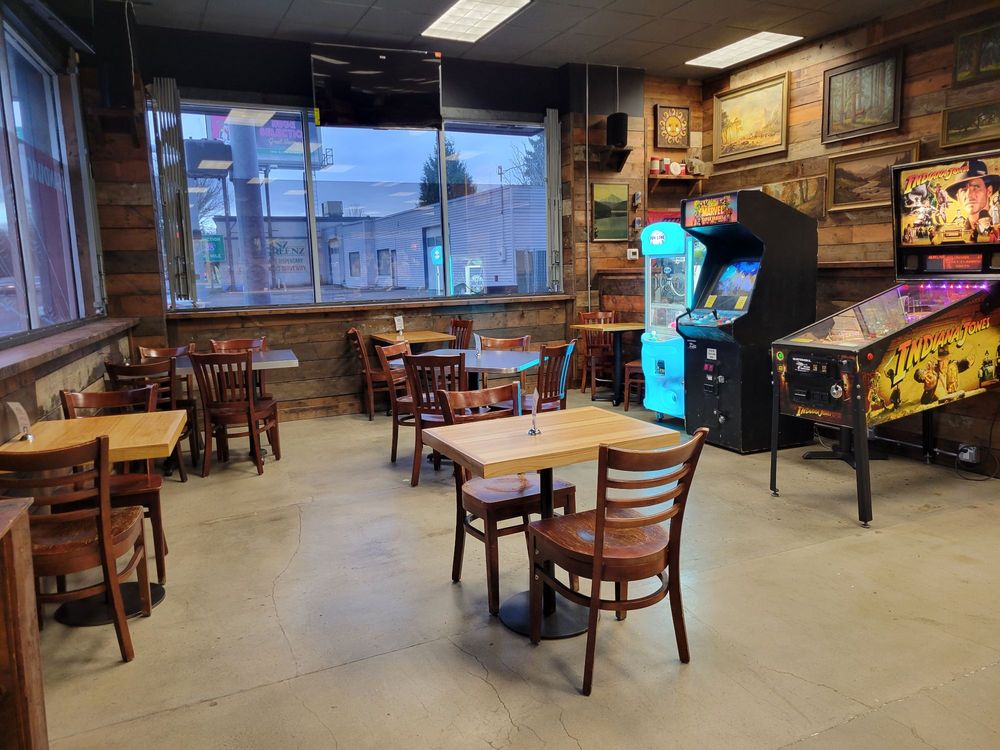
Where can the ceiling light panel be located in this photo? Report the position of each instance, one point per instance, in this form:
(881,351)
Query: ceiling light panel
(745,49)
(471,20)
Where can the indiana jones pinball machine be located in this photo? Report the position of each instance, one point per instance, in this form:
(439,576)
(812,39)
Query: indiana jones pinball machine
(931,340)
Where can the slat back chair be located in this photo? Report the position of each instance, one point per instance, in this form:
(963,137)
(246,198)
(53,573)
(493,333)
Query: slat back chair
(258,344)
(128,487)
(597,349)
(426,374)
(374,379)
(163,352)
(229,398)
(496,499)
(553,370)
(515,344)
(82,531)
(637,491)
(163,374)
(400,402)
(462,331)
(185,397)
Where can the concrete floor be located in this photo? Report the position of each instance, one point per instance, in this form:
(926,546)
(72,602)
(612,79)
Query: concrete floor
(313,607)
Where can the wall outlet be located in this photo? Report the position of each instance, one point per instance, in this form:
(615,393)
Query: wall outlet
(632,253)
(968,454)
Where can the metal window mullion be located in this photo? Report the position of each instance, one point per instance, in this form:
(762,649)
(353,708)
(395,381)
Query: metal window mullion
(445,233)
(553,199)
(311,209)
(17,188)
(81,305)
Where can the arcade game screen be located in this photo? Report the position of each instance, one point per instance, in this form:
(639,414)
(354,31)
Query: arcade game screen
(731,289)
(949,202)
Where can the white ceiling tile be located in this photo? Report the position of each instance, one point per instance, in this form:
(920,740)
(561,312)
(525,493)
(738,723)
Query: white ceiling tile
(606,23)
(664,31)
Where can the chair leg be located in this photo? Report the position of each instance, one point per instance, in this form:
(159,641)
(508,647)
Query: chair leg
(114,592)
(593,380)
(371,400)
(628,391)
(621,594)
(588,666)
(677,613)
(534,593)
(437,460)
(142,574)
(38,603)
(583,376)
(206,458)
(492,564)
(274,439)
(459,556)
(258,456)
(179,458)
(418,455)
(395,438)
(159,539)
(574,580)
(193,438)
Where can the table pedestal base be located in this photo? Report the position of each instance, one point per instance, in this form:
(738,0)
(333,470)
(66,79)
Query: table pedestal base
(569,619)
(94,610)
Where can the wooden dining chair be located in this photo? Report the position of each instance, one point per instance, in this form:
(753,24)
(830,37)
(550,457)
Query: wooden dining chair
(400,402)
(229,399)
(635,379)
(163,374)
(496,499)
(373,379)
(553,371)
(426,374)
(598,350)
(618,542)
(257,344)
(128,487)
(185,398)
(462,331)
(83,531)
(516,344)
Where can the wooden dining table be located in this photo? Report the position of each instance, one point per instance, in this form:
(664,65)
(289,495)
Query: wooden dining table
(499,447)
(616,330)
(413,337)
(490,361)
(131,437)
(273,359)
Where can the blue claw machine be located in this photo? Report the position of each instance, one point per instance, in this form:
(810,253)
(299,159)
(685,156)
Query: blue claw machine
(673,261)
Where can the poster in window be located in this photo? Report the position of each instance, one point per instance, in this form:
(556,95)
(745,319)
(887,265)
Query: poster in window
(384,266)
(355,260)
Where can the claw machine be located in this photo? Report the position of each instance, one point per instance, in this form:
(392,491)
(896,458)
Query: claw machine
(673,260)
(931,340)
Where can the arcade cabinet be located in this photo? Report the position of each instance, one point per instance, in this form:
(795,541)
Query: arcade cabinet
(931,340)
(758,282)
(673,261)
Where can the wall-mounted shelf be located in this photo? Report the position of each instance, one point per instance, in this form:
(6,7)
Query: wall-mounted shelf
(607,157)
(693,182)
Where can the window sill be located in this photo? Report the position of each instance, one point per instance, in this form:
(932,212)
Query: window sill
(229,312)
(29,355)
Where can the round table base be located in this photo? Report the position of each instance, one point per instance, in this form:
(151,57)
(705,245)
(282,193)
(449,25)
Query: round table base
(94,610)
(568,620)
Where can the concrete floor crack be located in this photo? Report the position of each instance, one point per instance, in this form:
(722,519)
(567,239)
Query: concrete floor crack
(513,724)
(566,729)
(336,743)
(274,587)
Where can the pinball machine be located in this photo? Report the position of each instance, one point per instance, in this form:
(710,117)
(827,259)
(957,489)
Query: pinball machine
(757,283)
(931,340)
(673,260)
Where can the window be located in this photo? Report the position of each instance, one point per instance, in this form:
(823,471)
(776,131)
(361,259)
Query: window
(39,266)
(284,212)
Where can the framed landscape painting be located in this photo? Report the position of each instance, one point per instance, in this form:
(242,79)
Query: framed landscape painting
(609,212)
(970,124)
(863,179)
(751,120)
(806,194)
(862,97)
(977,55)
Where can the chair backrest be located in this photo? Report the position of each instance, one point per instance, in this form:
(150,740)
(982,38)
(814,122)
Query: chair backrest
(224,379)
(159,372)
(597,339)
(164,352)
(498,402)
(462,331)
(426,374)
(386,356)
(664,494)
(77,403)
(77,475)
(358,344)
(553,370)
(239,345)
(519,343)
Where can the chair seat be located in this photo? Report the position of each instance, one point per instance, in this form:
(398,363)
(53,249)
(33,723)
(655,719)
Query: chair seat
(135,484)
(236,412)
(635,367)
(58,538)
(573,536)
(497,493)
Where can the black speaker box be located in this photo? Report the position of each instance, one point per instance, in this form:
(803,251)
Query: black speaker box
(618,129)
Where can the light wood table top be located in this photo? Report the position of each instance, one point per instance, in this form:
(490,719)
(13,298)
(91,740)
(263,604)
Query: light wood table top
(502,446)
(610,327)
(413,337)
(492,361)
(133,437)
(273,359)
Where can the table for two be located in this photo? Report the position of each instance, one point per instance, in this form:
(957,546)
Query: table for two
(503,446)
(616,330)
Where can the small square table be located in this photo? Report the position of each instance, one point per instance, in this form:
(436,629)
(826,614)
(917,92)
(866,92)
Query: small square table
(503,446)
(273,359)
(616,330)
(489,361)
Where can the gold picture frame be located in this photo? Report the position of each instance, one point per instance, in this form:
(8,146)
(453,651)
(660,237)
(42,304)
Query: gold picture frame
(805,194)
(970,123)
(751,120)
(863,179)
(673,126)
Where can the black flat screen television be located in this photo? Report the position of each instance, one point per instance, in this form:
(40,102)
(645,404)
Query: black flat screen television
(376,87)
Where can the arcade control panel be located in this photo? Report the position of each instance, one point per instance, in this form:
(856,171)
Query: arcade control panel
(815,381)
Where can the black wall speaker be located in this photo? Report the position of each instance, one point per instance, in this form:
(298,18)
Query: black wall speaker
(618,129)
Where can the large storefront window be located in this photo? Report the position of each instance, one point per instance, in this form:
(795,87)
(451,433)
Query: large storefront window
(34,132)
(283,212)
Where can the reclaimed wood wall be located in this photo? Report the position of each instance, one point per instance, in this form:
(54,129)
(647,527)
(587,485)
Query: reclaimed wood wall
(326,382)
